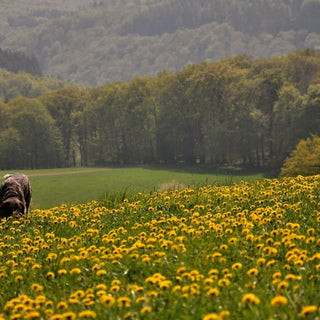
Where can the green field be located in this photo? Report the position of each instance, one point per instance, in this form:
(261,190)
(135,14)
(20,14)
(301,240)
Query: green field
(78,185)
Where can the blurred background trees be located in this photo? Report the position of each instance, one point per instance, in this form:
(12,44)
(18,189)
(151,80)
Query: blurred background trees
(235,112)
(94,42)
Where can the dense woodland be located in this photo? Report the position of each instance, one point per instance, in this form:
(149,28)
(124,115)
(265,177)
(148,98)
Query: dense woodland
(23,84)
(94,42)
(15,61)
(237,111)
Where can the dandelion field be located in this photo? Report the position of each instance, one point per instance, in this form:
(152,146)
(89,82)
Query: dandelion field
(243,251)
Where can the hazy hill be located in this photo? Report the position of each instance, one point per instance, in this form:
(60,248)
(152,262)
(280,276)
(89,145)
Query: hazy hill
(98,41)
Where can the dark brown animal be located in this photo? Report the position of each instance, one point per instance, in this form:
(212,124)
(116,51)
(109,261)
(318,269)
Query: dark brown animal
(15,195)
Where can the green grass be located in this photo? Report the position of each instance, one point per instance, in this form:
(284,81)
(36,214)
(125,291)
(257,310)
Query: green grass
(52,187)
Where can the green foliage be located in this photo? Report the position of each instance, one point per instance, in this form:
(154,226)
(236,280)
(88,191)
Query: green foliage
(235,112)
(29,139)
(64,106)
(305,159)
(25,85)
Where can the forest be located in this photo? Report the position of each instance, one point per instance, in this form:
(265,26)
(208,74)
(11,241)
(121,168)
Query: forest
(16,61)
(94,42)
(237,111)
(13,85)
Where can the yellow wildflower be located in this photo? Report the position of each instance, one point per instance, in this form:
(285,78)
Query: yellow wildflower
(250,299)
(279,301)
(306,311)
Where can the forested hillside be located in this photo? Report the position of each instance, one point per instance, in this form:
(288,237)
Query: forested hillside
(236,111)
(15,61)
(100,41)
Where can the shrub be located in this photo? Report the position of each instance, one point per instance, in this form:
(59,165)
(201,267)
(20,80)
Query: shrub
(304,160)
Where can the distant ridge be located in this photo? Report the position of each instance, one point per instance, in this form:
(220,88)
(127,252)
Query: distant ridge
(94,42)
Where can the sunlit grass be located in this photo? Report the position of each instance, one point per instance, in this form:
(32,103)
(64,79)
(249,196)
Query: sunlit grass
(242,251)
(52,187)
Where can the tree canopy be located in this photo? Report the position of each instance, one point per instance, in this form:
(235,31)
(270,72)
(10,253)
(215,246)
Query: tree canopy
(305,159)
(234,112)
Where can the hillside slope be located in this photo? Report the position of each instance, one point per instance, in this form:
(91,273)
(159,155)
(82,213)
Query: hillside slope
(99,41)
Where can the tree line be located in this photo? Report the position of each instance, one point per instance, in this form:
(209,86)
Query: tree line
(236,111)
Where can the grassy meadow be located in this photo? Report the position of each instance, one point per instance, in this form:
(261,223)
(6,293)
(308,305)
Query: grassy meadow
(246,250)
(78,185)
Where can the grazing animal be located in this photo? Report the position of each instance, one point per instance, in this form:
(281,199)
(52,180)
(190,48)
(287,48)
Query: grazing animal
(15,195)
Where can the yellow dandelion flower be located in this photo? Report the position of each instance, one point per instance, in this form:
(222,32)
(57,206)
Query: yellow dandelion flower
(283,285)
(32,315)
(211,316)
(176,288)
(62,306)
(145,310)
(276,275)
(253,272)
(87,314)
(306,311)
(279,301)
(36,267)
(236,266)
(48,304)
(107,300)
(261,261)
(146,259)
(213,272)
(213,292)
(165,284)
(114,289)
(250,299)
(50,275)
(79,294)
(224,314)
(153,294)
(140,300)
(224,282)
(101,272)
(101,286)
(40,299)
(73,300)
(75,271)
(62,271)
(18,278)
(115,282)
(36,287)
(208,281)
(181,270)
(124,302)
(271,263)
(69,316)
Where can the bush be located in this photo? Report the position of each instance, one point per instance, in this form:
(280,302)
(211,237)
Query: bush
(304,160)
